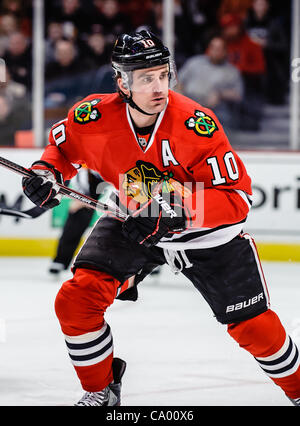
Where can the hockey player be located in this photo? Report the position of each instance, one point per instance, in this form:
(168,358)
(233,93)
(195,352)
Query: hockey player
(78,219)
(149,141)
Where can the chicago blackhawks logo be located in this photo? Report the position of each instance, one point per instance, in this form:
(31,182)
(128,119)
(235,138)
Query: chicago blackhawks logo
(87,112)
(140,181)
(202,124)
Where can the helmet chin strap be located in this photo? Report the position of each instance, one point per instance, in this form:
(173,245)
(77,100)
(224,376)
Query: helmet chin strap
(130,101)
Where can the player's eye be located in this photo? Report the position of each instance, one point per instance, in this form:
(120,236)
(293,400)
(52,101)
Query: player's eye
(147,79)
(164,75)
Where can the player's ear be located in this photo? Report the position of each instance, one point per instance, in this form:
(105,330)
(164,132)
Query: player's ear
(122,87)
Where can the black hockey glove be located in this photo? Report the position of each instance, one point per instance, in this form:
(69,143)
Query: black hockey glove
(42,189)
(162,215)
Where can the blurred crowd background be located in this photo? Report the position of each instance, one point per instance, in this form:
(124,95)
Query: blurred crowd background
(232,56)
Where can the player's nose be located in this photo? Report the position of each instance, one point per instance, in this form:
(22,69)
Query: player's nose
(157,86)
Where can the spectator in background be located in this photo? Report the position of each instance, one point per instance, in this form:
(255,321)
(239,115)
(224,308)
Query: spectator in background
(7,123)
(21,10)
(268,32)
(201,19)
(12,118)
(55,32)
(108,19)
(66,61)
(9,88)
(18,59)
(8,26)
(65,75)
(11,6)
(73,16)
(96,51)
(138,11)
(248,58)
(213,82)
(234,7)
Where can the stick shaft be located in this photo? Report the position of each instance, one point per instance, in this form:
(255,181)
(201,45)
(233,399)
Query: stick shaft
(64,190)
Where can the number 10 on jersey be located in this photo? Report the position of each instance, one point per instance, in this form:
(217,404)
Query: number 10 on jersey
(231,168)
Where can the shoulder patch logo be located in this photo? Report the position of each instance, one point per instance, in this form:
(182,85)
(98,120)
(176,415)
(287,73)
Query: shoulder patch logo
(87,112)
(202,124)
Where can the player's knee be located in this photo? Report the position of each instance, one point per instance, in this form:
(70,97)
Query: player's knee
(81,302)
(64,305)
(259,335)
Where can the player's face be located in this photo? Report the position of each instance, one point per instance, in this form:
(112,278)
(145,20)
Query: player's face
(150,88)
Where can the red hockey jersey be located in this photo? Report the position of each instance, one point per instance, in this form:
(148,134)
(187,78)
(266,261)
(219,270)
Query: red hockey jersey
(188,149)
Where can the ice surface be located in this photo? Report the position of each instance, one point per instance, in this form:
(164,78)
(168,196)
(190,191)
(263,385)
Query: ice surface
(176,352)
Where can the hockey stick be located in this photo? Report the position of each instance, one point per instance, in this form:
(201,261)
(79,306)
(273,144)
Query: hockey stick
(15,210)
(23,214)
(64,190)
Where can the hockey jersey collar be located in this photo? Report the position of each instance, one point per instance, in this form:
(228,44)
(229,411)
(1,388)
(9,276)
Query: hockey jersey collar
(157,124)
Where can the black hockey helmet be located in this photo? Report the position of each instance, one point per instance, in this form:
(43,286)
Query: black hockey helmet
(139,50)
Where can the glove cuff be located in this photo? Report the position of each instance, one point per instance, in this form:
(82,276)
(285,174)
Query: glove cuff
(47,166)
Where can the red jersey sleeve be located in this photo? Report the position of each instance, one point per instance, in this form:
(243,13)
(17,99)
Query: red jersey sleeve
(222,189)
(62,150)
(73,142)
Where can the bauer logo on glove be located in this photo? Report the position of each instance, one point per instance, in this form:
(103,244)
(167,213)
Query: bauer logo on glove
(164,205)
(163,214)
